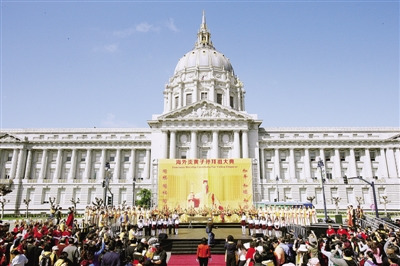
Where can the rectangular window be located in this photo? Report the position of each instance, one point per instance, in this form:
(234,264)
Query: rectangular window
(188,98)
(231,101)
(219,98)
(183,154)
(350,195)
(297,156)
(303,194)
(112,158)
(357,155)
(282,156)
(327,156)
(176,102)
(342,156)
(126,158)
(268,156)
(68,159)
(312,156)
(372,154)
(203,96)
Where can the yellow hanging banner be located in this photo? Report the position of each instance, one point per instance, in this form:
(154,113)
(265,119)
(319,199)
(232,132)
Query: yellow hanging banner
(205,183)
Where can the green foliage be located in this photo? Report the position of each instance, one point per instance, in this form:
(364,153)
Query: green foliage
(144,196)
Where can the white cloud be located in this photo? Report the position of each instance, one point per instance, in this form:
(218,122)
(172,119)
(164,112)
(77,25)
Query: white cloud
(171,25)
(111,121)
(141,27)
(108,48)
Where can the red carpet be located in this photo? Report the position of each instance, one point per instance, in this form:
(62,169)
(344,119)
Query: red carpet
(190,260)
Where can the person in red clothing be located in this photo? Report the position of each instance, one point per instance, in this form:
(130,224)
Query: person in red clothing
(203,252)
(341,231)
(330,231)
(250,254)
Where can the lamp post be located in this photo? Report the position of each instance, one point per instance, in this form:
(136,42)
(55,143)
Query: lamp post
(277,189)
(3,202)
(385,201)
(372,184)
(27,201)
(133,192)
(106,182)
(320,165)
(336,200)
(74,202)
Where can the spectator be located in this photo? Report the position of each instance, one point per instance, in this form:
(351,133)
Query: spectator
(203,252)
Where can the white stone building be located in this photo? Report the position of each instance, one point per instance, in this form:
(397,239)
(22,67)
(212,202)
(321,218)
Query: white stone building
(204,117)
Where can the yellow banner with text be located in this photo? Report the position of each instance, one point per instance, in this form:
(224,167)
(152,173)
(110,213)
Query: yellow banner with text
(205,183)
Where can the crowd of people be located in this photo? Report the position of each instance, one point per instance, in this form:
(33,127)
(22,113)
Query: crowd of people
(341,247)
(132,236)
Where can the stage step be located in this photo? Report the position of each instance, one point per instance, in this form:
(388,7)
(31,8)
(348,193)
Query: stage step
(189,246)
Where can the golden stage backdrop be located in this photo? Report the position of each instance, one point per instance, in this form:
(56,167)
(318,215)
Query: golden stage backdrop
(199,183)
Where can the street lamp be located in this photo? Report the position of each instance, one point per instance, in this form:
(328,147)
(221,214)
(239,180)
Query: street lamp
(27,201)
(385,201)
(106,182)
(320,165)
(277,189)
(133,192)
(3,201)
(74,202)
(372,184)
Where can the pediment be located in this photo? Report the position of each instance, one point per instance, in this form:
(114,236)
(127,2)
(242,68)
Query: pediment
(9,138)
(205,110)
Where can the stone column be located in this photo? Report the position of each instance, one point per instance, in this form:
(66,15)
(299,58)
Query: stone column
(148,164)
(195,92)
(391,163)
(57,174)
(72,170)
(227,96)
(306,163)
(172,145)
(397,160)
(102,164)
(262,163)
(352,164)
(367,165)
(245,144)
(292,164)
(14,161)
(236,144)
(212,92)
(42,173)
(132,165)
(165,145)
(193,144)
(28,165)
(337,165)
(277,165)
(383,164)
(20,164)
(239,93)
(88,166)
(214,149)
(170,100)
(117,169)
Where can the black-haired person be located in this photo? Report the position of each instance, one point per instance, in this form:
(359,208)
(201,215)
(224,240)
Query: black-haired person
(203,252)
(159,256)
(19,258)
(111,257)
(230,251)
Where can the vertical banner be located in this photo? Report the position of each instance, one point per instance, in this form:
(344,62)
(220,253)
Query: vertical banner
(205,183)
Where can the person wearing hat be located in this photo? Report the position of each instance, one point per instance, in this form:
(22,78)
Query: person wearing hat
(302,255)
(159,256)
(203,252)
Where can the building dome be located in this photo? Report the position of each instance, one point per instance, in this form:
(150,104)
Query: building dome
(203,57)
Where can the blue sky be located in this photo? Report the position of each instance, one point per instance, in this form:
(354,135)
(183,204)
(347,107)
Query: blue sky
(105,63)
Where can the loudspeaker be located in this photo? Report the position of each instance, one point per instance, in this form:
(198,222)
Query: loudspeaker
(162,236)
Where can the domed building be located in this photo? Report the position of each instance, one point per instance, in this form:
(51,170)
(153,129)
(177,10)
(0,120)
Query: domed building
(204,120)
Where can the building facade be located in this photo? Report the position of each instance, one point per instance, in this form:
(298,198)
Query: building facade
(204,116)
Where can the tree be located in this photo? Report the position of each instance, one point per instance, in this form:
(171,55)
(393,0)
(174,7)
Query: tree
(144,198)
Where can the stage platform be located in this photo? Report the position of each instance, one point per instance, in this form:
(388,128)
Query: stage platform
(189,238)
